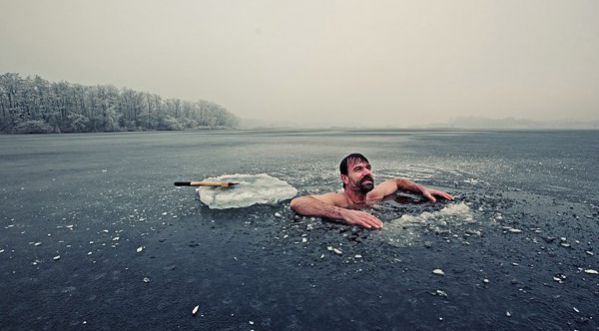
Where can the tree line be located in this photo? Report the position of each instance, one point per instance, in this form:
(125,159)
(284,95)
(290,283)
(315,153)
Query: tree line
(35,105)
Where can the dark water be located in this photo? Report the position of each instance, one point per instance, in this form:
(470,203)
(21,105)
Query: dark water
(527,212)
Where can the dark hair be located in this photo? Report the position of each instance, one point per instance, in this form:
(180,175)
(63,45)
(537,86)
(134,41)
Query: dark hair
(351,157)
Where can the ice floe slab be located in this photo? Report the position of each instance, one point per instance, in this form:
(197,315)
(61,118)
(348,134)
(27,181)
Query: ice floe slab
(252,189)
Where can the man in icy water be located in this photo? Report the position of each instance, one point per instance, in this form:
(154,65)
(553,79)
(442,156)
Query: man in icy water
(358,192)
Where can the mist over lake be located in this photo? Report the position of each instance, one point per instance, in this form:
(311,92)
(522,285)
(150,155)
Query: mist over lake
(93,233)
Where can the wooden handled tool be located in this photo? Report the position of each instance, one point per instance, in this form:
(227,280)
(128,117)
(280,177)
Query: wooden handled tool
(212,184)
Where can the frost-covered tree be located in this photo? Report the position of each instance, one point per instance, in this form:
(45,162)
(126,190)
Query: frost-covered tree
(35,105)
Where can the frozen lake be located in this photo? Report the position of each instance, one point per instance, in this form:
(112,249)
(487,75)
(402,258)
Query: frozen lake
(519,240)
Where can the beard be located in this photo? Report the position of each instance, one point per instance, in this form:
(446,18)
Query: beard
(366,184)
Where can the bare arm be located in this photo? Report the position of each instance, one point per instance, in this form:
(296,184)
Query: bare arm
(393,185)
(328,206)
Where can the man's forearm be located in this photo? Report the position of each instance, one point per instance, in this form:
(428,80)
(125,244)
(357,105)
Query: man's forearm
(310,206)
(408,185)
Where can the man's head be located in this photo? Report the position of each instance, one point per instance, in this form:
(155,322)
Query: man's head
(356,173)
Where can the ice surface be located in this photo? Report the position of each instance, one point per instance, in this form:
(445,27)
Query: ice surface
(460,210)
(408,229)
(252,189)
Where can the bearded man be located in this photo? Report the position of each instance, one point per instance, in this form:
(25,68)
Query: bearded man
(358,192)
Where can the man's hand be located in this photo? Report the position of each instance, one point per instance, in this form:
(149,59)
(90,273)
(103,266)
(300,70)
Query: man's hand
(430,194)
(356,217)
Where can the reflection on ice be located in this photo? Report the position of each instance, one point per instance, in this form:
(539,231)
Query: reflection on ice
(252,189)
(407,229)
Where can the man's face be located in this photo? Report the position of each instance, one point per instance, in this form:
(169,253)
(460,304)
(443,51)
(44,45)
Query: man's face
(359,176)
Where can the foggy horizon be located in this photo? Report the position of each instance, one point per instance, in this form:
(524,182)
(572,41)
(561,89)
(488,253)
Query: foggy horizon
(336,63)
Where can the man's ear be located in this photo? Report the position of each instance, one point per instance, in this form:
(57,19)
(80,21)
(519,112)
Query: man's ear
(344,179)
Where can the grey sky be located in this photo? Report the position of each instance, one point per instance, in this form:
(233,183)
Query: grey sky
(369,63)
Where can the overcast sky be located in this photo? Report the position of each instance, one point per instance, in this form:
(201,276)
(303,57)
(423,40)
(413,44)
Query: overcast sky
(367,63)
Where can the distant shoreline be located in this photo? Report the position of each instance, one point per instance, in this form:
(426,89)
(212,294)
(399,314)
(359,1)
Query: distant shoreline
(289,129)
(121,131)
